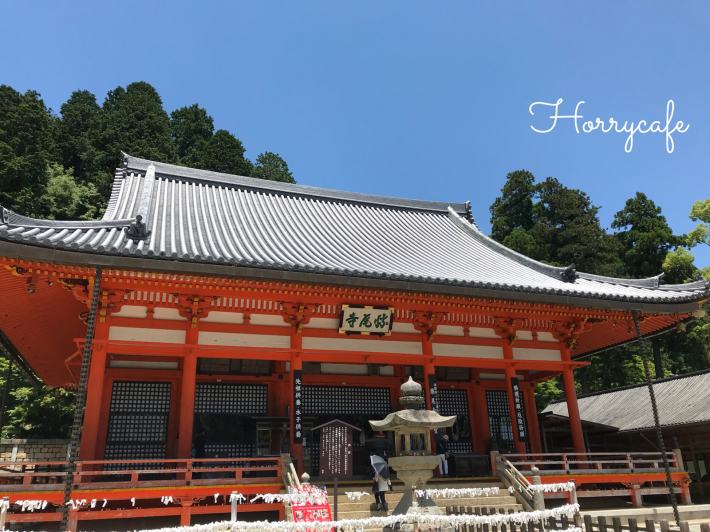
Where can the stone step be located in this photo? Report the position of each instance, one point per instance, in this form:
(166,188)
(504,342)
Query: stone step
(347,505)
(398,486)
(362,514)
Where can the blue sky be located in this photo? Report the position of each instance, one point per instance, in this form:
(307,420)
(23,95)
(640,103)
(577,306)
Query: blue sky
(413,99)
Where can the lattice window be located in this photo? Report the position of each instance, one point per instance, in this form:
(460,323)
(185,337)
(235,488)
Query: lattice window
(247,399)
(133,451)
(137,428)
(345,400)
(499,415)
(230,450)
(499,418)
(138,423)
(455,403)
(140,397)
(315,458)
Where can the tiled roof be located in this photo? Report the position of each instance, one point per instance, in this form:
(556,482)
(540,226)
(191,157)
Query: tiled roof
(681,400)
(198,216)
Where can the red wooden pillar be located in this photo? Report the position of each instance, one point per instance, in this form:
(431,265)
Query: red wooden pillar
(429,382)
(480,414)
(187,394)
(531,410)
(509,375)
(185,513)
(94,393)
(575,420)
(296,365)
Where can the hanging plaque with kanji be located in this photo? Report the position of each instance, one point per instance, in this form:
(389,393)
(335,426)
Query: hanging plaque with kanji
(356,319)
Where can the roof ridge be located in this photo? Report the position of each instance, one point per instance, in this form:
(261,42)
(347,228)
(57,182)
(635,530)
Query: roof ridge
(638,385)
(277,187)
(555,272)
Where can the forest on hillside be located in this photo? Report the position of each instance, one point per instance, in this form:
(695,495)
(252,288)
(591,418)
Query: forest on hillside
(61,166)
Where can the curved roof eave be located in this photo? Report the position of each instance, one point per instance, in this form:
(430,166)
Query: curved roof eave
(93,260)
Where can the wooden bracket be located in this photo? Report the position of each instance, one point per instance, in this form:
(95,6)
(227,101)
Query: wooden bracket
(194,307)
(568,332)
(427,321)
(298,314)
(506,328)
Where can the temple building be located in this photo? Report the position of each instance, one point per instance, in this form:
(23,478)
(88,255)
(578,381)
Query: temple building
(235,315)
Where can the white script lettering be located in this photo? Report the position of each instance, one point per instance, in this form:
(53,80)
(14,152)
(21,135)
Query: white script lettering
(628,127)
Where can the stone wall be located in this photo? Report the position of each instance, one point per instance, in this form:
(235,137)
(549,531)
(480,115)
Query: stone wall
(33,450)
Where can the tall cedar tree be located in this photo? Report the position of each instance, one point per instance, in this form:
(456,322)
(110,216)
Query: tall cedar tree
(79,115)
(645,236)
(198,147)
(272,167)
(554,224)
(190,127)
(132,120)
(26,146)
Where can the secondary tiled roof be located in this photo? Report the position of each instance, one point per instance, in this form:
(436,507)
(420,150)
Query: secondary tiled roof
(198,216)
(681,400)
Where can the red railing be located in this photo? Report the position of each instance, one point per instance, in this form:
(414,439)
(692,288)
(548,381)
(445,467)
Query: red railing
(605,474)
(594,463)
(116,474)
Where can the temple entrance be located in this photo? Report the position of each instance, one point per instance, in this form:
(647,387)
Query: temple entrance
(355,405)
(138,422)
(499,421)
(455,403)
(224,424)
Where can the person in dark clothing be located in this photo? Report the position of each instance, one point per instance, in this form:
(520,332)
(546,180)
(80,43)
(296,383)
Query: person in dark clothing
(442,451)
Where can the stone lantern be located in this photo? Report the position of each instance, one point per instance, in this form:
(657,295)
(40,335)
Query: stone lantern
(413,460)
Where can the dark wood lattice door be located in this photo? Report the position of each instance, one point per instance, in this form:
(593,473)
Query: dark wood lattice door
(499,422)
(455,403)
(137,423)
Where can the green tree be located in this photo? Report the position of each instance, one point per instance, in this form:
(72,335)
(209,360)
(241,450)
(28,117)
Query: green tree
(223,152)
(190,127)
(679,263)
(35,412)
(513,210)
(65,199)
(79,114)
(701,234)
(132,120)
(645,236)
(26,144)
(272,167)
(567,225)
(554,224)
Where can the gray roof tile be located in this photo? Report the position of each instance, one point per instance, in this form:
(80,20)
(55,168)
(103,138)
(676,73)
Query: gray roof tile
(207,217)
(681,400)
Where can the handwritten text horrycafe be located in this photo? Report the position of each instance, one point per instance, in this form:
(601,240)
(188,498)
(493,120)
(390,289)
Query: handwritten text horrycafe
(629,128)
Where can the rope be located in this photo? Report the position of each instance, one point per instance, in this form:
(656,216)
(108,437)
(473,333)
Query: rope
(80,399)
(654,406)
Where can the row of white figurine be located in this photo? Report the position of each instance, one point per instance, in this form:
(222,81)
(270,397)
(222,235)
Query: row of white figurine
(453,493)
(548,488)
(424,520)
(32,505)
(269,498)
(448,493)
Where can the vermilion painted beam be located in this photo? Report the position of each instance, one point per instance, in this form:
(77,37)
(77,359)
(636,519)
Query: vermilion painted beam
(332,356)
